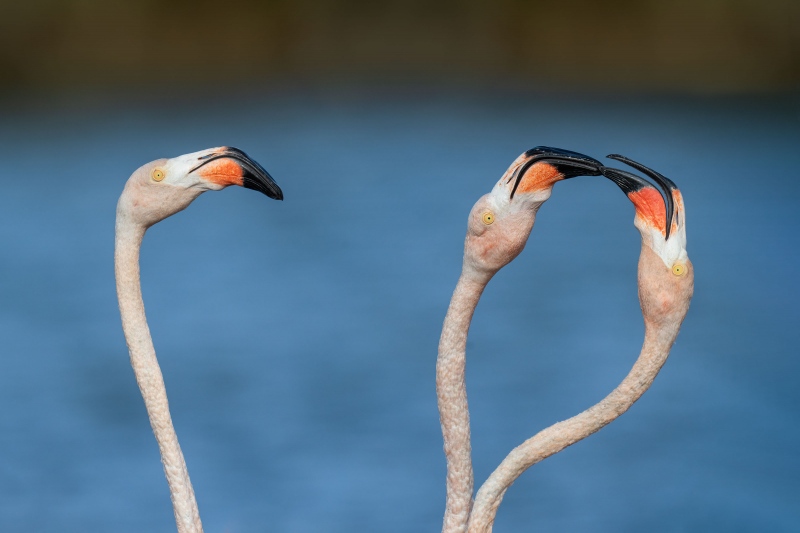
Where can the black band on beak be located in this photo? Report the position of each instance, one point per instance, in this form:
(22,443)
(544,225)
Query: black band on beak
(569,164)
(253,175)
(666,185)
(626,181)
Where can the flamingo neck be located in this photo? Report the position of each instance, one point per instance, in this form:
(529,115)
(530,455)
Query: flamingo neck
(657,344)
(148,374)
(452,397)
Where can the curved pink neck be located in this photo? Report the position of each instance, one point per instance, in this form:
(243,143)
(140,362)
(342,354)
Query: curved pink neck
(452,396)
(657,344)
(148,374)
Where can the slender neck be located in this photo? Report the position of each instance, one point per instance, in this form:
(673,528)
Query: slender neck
(657,344)
(452,396)
(148,374)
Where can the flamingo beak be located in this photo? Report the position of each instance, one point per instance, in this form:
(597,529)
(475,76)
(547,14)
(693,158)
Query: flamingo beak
(231,166)
(552,165)
(645,202)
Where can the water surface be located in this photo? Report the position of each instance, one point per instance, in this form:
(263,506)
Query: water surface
(298,339)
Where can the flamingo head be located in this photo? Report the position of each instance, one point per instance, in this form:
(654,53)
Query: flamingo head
(501,221)
(164,187)
(666,275)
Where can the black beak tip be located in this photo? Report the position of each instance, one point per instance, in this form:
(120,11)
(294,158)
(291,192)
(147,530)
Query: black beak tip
(549,151)
(569,163)
(263,183)
(626,181)
(254,177)
(664,182)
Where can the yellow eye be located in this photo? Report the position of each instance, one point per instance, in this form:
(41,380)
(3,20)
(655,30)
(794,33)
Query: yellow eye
(488,217)
(678,269)
(159,174)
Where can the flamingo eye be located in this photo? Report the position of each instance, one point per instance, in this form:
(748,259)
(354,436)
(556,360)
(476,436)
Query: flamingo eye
(679,269)
(159,174)
(488,218)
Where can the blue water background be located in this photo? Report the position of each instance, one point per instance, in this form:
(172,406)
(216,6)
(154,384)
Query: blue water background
(298,339)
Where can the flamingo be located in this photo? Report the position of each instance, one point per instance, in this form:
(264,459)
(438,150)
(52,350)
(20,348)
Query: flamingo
(499,225)
(154,192)
(666,281)
(666,285)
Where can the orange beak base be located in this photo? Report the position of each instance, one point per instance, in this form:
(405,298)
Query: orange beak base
(656,209)
(666,184)
(231,166)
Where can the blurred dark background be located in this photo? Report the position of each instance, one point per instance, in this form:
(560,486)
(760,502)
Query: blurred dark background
(685,45)
(298,338)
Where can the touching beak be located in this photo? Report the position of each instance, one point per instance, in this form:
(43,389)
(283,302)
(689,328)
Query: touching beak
(231,166)
(549,166)
(647,199)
